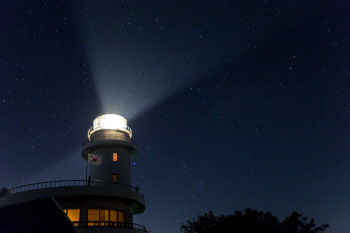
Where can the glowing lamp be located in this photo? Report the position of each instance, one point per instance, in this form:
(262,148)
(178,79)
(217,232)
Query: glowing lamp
(110,122)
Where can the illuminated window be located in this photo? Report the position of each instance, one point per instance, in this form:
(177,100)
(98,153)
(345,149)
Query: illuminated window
(103,217)
(114,216)
(115,156)
(115,178)
(120,216)
(93,217)
(73,215)
(120,219)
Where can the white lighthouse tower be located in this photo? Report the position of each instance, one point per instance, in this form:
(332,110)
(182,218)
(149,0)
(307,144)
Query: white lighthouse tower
(110,149)
(103,203)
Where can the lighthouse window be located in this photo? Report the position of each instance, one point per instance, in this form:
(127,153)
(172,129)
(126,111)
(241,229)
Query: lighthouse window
(120,216)
(93,217)
(114,216)
(105,217)
(73,215)
(115,178)
(115,156)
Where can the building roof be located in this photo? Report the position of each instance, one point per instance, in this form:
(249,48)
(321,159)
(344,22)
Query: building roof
(38,216)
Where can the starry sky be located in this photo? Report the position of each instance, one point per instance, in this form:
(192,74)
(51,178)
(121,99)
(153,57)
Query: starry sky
(233,104)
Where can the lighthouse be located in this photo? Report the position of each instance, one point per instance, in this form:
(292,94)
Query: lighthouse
(104,202)
(109,149)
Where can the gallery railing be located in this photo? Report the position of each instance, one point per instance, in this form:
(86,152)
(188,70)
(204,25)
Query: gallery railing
(110,224)
(108,137)
(122,128)
(68,183)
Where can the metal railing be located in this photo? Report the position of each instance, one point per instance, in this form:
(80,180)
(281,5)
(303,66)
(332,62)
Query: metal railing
(70,183)
(109,137)
(110,224)
(126,129)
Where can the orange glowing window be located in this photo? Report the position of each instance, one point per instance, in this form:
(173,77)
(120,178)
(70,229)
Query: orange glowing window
(115,156)
(120,216)
(114,215)
(93,217)
(73,215)
(105,217)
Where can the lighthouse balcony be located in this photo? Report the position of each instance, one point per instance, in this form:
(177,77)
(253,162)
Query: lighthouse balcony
(109,226)
(125,130)
(102,138)
(73,189)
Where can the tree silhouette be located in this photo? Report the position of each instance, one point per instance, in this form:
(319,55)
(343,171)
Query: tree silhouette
(251,221)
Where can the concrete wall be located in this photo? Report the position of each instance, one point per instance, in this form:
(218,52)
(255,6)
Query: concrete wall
(105,167)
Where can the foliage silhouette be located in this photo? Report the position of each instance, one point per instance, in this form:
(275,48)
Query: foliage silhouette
(251,221)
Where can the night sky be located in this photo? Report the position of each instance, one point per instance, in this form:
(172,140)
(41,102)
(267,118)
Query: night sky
(233,104)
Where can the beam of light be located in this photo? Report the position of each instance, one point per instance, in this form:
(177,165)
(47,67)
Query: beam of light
(140,57)
(71,167)
(136,58)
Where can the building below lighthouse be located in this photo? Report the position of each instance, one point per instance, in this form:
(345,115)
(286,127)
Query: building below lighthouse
(104,202)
